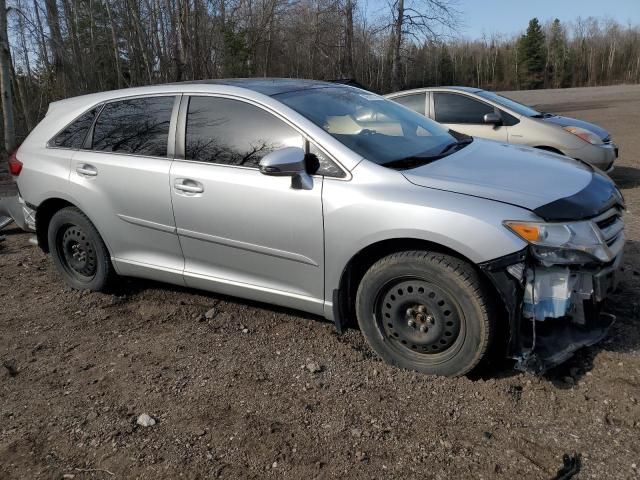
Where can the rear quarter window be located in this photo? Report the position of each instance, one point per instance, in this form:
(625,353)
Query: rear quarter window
(74,134)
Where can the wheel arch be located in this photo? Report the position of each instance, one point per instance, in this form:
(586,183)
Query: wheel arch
(344,296)
(44,213)
(550,149)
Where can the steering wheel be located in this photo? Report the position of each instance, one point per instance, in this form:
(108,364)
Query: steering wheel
(366,131)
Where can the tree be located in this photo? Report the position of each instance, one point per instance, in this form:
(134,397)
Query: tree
(532,55)
(557,59)
(5,82)
(349,69)
(421,20)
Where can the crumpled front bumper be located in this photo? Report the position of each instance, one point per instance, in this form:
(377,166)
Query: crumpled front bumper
(553,310)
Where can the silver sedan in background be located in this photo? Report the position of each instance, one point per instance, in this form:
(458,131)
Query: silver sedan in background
(485,114)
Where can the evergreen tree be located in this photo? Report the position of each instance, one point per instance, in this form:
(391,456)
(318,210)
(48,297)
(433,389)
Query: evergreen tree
(558,58)
(532,56)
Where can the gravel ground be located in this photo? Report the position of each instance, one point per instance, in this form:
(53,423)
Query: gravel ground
(244,390)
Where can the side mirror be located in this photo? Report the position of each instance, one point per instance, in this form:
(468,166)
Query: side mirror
(288,162)
(493,118)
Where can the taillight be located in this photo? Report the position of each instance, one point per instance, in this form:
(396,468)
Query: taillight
(15,165)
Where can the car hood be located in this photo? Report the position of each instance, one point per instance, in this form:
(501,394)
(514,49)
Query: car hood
(522,176)
(574,122)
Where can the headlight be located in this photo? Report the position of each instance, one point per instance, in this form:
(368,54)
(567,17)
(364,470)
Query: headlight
(585,135)
(572,242)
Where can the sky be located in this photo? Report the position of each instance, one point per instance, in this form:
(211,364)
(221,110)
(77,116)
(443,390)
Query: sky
(510,17)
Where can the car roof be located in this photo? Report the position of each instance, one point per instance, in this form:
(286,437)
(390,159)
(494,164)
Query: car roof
(250,87)
(266,86)
(435,89)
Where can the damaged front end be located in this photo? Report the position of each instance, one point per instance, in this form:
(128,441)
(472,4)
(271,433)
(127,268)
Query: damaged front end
(554,296)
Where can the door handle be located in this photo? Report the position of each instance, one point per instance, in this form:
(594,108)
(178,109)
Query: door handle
(188,186)
(86,170)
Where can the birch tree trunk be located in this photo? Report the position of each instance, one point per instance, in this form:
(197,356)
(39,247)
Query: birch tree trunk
(5,82)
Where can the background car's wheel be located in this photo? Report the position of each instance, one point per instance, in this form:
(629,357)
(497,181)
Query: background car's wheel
(425,311)
(78,251)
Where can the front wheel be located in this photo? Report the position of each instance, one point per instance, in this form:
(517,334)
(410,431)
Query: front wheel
(425,311)
(78,251)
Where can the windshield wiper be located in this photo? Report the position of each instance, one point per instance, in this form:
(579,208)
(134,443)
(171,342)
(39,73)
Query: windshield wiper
(417,161)
(543,115)
(409,162)
(459,144)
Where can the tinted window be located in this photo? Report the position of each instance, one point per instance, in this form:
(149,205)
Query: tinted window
(73,136)
(508,120)
(414,102)
(321,164)
(453,108)
(232,132)
(138,126)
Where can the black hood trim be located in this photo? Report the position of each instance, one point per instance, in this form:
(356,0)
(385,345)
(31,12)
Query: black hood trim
(598,196)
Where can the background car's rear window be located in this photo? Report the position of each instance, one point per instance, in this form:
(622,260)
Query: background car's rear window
(415,102)
(73,136)
(138,126)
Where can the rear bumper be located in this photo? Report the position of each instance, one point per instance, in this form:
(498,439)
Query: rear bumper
(553,310)
(16,208)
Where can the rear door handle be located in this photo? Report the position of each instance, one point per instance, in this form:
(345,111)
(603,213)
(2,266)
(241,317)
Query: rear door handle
(86,170)
(188,186)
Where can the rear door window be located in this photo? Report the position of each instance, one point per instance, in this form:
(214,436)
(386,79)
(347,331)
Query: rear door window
(414,102)
(455,108)
(73,136)
(139,126)
(232,132)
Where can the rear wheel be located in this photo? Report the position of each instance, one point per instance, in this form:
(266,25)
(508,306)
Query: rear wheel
(426,312)
(78,250)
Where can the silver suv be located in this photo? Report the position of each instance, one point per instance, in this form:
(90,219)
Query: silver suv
(335,201)
(484,114)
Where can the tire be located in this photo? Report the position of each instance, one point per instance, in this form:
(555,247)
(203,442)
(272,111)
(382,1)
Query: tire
(78,251)
(426,311)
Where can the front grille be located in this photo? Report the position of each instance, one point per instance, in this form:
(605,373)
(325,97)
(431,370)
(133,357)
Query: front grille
(611,226)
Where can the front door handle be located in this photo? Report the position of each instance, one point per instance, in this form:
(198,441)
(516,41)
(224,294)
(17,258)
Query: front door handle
(188,186)
(86,170)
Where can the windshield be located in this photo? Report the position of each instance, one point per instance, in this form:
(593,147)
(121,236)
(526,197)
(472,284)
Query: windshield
(511,104)
(375,128)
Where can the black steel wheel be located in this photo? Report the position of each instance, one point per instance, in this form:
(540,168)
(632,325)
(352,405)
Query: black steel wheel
(78,250)
(419,316)
(78,253)
(425,311)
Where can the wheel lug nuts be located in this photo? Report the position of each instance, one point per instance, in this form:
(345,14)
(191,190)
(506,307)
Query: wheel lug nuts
(422,309)
(430,319)
(409,312)
(423,328)
(420,317)
(411,323)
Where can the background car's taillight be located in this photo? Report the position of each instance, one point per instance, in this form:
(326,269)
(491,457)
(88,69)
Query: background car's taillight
(15,165)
